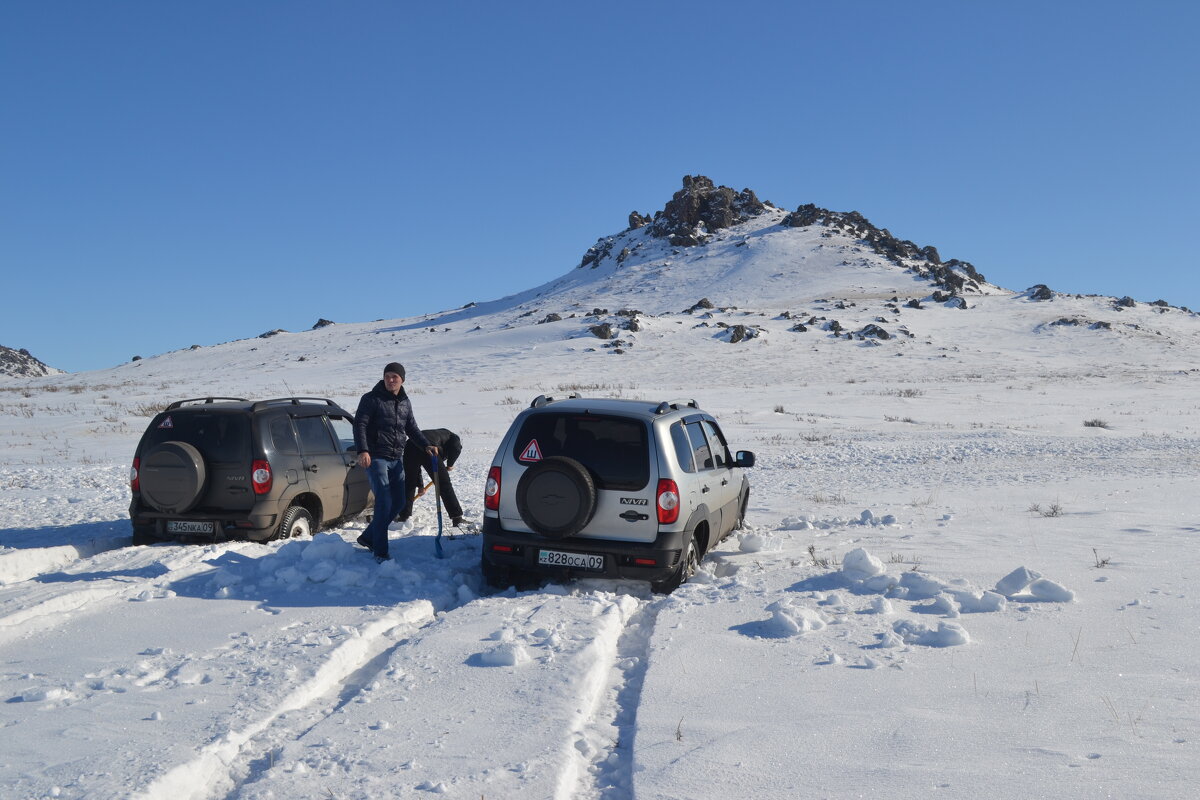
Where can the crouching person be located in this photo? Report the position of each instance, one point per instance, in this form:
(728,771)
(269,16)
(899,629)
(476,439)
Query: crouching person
(450,446)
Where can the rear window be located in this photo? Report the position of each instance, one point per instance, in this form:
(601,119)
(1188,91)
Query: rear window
(218,437)
(614,449)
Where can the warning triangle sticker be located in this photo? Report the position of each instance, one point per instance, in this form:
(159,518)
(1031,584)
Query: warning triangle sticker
(531,452)
(166,423)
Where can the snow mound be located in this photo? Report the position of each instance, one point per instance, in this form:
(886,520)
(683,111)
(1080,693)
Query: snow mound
(858,564)
(788,619)
(946,634)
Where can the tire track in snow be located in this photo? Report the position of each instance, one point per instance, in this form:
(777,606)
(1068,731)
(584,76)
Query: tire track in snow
(604,742)
(221,766)
(110,575)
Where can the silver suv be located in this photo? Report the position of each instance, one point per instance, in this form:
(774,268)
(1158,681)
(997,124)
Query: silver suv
(610,488)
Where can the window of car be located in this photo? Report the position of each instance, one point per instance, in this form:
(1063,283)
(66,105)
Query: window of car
(700,449)
(314,435)
(683,447)
(221,438)
(283,437)
(343,431)
(615,449)
(716,443)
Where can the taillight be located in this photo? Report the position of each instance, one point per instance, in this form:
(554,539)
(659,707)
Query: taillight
(491,490)
(260,477)
(135,483)
(668,501)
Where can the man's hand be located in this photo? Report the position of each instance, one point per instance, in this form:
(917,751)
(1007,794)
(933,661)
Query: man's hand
(364,459)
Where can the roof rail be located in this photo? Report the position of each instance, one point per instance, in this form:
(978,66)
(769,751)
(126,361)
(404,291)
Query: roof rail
(675,405)
(295,401)
(206,400)
(545,400)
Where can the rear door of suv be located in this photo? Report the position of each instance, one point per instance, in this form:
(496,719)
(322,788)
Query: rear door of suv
(326,465)
(617,453)
(223,440)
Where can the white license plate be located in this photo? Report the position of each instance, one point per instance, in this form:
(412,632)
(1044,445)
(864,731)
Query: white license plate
(557,558)
(181,526)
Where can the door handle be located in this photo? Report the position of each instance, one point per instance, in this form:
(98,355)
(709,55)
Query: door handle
(705,489)
(313,468)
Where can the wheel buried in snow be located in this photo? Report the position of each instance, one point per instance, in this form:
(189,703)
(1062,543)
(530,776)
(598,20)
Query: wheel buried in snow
(296,522)
(689,562)
(556,497)
(172,477)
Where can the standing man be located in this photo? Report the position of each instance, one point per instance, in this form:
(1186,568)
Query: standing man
(450,445)
(383,425)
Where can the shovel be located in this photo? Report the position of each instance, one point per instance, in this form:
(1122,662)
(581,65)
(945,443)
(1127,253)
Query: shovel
(437,499)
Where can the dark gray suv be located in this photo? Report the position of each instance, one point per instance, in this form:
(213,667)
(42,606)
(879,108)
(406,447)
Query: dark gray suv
(611,488)
(216,468)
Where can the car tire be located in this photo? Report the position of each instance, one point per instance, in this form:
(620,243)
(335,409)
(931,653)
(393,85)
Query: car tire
(741,517)
(556,497)
(494,575)
(689,562)
(144,535)
(173,476)
(296,522)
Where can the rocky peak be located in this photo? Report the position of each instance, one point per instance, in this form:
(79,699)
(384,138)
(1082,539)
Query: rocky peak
(700,208)
(20,364)
(954,275)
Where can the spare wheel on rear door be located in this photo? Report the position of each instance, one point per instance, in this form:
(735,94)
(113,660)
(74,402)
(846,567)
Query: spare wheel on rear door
(556,497)
(172,476)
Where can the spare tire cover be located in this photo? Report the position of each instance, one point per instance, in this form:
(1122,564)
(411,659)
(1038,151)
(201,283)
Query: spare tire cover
(172,476)
(556,497)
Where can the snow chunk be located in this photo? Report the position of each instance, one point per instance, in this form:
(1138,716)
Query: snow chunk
(789,620)
(947,634)
(1050,592)
(1015,581)
(858,564)
(509,654)
(918,586)
(757,543)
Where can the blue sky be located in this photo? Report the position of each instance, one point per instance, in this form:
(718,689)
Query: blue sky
(179,173)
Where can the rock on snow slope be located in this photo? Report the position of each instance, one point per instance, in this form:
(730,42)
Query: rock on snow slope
(877,631)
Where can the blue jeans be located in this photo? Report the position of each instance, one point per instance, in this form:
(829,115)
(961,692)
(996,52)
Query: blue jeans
(387,482)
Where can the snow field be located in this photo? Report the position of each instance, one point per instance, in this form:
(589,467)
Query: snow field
(948,581)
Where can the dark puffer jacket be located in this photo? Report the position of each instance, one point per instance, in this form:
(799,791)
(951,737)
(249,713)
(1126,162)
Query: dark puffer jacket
(384,422)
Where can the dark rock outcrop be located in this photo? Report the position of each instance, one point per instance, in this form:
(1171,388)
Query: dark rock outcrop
(875,331)
(742,333)
(637,220)
(604,330)
(597,253)
(700,208)
(20,364)
(954,275)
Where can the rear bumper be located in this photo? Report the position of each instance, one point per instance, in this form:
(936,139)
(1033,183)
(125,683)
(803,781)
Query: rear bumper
(518,550)
(253,526)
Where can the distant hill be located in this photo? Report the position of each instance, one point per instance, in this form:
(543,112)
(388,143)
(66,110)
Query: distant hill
(20,364)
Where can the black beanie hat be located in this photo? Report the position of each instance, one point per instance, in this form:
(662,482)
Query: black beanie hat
(395,367)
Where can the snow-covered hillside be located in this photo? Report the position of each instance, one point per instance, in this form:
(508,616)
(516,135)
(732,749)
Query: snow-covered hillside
(970,560)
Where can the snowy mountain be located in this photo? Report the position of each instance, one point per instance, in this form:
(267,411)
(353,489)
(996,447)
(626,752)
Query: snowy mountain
(971,557)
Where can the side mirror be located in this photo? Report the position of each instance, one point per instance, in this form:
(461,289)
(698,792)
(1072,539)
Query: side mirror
(744,458)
